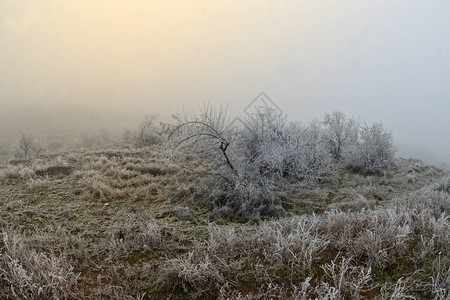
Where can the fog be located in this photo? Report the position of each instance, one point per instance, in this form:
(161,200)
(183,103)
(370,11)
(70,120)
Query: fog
(83,66)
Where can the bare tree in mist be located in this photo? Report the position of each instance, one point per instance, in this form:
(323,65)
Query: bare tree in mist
(39,147)
(341,132)
(26,142)
(29,144)
(211,132)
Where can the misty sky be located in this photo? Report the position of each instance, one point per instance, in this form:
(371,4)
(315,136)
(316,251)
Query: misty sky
(378,60)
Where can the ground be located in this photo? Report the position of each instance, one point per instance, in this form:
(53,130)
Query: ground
(133,223)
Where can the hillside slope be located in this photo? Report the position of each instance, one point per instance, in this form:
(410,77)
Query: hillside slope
(120,222)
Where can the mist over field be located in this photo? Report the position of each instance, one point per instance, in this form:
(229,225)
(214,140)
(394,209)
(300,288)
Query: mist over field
(231,150)
(102,65)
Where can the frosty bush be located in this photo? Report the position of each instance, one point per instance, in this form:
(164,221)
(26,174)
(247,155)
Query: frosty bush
(282,149)
(254,157)
(340,133)
(314,160)
(213,136)
(374,150)
(257,158)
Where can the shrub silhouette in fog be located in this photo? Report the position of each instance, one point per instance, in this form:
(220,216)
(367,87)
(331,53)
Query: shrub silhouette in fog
(147,133)
(29,144)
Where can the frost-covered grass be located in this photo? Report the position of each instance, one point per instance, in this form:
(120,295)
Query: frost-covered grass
(28,274)
(135,223)
(398,251)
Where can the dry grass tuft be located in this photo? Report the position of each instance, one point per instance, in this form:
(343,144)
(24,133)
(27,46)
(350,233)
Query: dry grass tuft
(135,233)
(27,274)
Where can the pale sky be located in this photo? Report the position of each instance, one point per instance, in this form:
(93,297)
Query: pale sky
(378,60)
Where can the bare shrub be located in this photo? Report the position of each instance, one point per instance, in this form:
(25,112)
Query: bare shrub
(340,133)
(210,134)
(265,143)
(374,150)
(213,137)
(29,144)
(25,145)
(254,159)
(27,274)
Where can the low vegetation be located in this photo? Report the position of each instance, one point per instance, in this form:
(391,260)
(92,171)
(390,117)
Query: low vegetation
(260,209)
(257,159)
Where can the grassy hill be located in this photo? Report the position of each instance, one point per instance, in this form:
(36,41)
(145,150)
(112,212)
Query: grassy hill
(121,222)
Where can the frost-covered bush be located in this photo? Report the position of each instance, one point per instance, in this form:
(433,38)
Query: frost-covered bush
(213,137)
(276,147)
(246,198)
(254,157)
(257,158)
(374,150)
(340,133)
(314,160)
(267,143)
